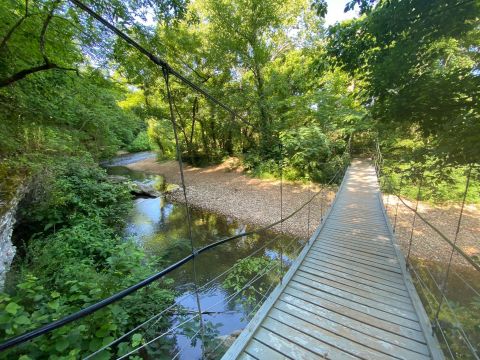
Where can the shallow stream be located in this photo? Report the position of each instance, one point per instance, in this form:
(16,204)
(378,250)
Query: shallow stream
(160,227)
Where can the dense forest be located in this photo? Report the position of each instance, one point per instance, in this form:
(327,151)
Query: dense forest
(405,72)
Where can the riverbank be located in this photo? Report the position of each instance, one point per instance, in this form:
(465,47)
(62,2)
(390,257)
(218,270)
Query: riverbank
(426,243)
(226,189)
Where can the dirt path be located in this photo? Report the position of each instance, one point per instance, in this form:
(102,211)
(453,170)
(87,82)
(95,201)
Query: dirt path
(230,192)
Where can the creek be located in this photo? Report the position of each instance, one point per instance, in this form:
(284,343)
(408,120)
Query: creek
(160,227)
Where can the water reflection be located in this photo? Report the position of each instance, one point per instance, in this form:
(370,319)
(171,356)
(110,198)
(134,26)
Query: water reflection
(159,225)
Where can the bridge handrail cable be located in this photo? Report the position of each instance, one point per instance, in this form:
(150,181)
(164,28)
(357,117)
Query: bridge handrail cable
(441,288)
(121,294)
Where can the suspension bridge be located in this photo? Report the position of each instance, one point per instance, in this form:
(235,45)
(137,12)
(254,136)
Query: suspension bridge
(348,295)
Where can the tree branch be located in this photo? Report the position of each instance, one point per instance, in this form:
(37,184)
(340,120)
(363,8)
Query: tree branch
(44,31)
(14,27)
(23,73)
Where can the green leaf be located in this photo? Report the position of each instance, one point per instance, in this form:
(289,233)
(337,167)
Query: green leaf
(61,344)
(12,308)
(136,340)
(22,320)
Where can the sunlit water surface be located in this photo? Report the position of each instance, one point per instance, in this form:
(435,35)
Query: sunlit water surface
(161,228)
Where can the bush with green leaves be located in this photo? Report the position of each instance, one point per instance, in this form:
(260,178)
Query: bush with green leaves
(140,143)
(75,258)
(247,269)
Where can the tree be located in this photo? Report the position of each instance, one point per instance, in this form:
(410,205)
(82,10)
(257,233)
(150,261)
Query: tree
(420,64)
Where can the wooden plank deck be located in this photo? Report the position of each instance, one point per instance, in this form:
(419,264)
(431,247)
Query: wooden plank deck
(348,295)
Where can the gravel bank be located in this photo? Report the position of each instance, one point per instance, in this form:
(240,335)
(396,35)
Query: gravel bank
(426,243)
(227,190)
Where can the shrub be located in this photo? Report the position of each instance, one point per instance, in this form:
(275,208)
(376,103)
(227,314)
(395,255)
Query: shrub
(140,143)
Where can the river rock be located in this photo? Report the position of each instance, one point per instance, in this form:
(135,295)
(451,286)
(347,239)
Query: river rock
(136,188)
(225,340)
(148,190)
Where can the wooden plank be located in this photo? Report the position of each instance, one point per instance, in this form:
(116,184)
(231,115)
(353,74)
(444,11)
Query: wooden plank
(380,245)
(357,294)
(355,273)
(259,350)
(366,247)
(360,247)
(246,356)
(365,229)
(357,343)
(329,333)
(364,323)
(357,259)
(363,306)
(337,227)
(387,259)
(372,286)
(351,234)
(362,221)
(349,264)
(297,344)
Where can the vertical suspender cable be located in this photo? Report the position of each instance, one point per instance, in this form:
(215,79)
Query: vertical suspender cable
(457,231)
(308,216)
(414,219)
(397,201)
(281,210)
(187,210)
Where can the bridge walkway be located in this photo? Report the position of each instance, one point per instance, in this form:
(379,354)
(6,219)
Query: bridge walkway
(348,295)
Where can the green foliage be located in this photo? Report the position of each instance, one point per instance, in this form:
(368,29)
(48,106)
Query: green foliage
(244,271)
(75,258)
(73,189)
(459,316)
(438,185)
(419,61)
(409,163)
(140,143)
(306,150)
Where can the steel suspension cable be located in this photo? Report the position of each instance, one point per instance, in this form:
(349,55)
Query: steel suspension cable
(123,293)
(171,104)
(158,61)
